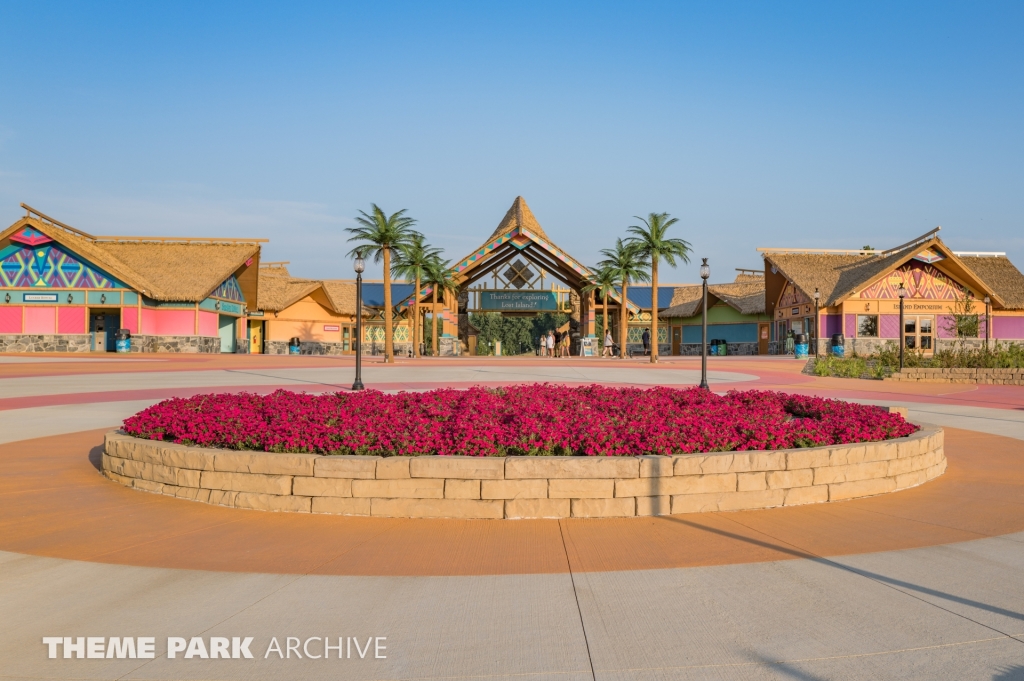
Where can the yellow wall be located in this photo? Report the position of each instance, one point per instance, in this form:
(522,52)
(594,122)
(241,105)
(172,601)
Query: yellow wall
(306,318)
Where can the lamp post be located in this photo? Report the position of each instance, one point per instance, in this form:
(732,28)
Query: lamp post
(988,318)
(359,266)
(705,272)
(902,293)
(817,302)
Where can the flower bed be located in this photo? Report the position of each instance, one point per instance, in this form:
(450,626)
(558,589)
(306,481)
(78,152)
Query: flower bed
(535,420)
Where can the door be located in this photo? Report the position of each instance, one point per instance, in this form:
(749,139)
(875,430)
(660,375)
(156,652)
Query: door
(103,326)
(226,331)
(919,333)
(677,340)
(255,337)
(762,339)
(348,333)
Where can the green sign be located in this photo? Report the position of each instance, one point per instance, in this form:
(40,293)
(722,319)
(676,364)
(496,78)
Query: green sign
(519,301)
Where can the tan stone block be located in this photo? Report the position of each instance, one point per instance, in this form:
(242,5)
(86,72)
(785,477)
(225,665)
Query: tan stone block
(393,468)
(341,505)
(222,497)
(118,478)
(879,451)
(408,488)
(652,466)
(813,457)
(911,479)
(158,473)
(247,482)
(567,488)
(744,462)
(850,473)
(458,467)
(537,508)
(906,447)
(716,463)
(936,470)
(346,466)
(513,489)
(860,488)
(273,502)
(437,508)
(687,464)
(786,479)
(575,467)
(902,466)
(265,463)
(700,484)
(603,508)
(461,489)
(322,487)
(188,478)
(806,495)
(113,464)
(727,501)
(902,411)
(751,482)
(654,505)
(148,485)
(179,456)
(643,487)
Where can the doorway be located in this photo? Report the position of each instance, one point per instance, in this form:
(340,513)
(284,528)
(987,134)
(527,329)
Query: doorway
(103,325)
(256,337)
(919,333)
(677,340)
(762,339)
(226,331)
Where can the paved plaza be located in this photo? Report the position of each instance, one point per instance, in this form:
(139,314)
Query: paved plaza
(926,583)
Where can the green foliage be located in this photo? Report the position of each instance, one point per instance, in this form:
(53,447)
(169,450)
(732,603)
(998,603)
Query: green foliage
(518,335)
(963,323)
(652,243)
(413,257)
(380,232)
(847,367)
(999,356)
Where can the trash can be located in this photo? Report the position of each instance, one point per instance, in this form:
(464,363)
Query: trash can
(294,346)
(123,340)
(800,346)
(838,345)
(713,347)
(723,347)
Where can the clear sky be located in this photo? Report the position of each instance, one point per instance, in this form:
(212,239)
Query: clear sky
(756,124)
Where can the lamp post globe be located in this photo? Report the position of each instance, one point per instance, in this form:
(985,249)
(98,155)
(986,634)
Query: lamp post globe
(705,272)
(902,293)
(359,265)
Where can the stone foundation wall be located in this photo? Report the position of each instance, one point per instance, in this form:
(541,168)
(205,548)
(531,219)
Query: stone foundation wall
(305,348)
(982,376)
(182,344)
(524,487)
(20,342)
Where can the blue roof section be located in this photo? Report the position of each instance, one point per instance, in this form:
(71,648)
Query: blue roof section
(641,296)
(373,293)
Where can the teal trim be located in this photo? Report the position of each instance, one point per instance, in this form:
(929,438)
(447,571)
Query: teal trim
(209,304)
(104,297)
(130,298)
(732,333)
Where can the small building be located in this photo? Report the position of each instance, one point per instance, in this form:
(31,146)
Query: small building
(64,290)
(856,294)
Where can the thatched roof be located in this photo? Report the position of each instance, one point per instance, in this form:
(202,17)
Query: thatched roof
(746,297)
(342,295)
(1001,275)
(277,292)
(685,302)
(162,270)
(519,215)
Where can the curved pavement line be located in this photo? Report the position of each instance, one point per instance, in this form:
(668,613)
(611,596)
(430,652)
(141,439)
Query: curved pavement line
(56,504)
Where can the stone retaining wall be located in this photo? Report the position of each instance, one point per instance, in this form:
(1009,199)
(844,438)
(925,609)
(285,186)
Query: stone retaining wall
(67,342)
(983,376)
(524,487)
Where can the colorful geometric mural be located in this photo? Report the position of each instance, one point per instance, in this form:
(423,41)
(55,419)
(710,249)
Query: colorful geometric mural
(47,265)
(929,255)
(921,280)
(229,290)
(791,296)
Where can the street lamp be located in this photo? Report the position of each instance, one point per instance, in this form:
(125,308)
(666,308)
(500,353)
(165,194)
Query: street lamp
(902,293)
(359,266)
(988,318)
(817,302)
(705,272)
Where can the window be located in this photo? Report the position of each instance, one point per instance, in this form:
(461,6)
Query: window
(867,326)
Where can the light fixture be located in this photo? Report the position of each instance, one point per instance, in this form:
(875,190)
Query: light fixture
(103,298)
(987,300)
(817,295)
(901,292)
(7,298)
(359,265)
(71,299)
(705,270)
(217,305)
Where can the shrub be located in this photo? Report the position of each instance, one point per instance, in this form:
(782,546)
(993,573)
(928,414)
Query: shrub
(842,367)
(538,419)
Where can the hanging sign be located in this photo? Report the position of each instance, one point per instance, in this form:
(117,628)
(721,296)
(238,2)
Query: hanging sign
(518,301)
(40,297)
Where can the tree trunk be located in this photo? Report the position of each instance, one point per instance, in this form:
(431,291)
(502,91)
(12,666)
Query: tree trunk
(416,318)
(433,321)
(604,320)
(389,341)
(623,322)
(654,310)
(455,310)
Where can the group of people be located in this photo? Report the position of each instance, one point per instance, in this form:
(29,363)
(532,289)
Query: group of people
(554,344)
(609,343)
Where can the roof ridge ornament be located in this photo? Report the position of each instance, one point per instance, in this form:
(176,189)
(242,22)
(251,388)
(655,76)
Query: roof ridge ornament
(46,219)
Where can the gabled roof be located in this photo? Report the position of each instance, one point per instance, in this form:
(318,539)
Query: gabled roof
(746,296)
(163,270)
(519,216)
(279,291)
(1001,275)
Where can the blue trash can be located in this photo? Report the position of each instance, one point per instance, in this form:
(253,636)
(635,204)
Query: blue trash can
(294,346)
(800,346)
(838,345)
(123,340)
(713,347)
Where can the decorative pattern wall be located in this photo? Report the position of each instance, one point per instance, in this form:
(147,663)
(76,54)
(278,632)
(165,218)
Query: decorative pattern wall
(921,280)
(49,266)
(229,290)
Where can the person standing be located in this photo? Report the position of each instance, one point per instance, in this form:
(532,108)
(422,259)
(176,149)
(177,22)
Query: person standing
(609,344)
(543,349)
(565,345)
(551,343)
(646,338)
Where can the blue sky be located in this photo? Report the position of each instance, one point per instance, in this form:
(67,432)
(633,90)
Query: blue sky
(756,124)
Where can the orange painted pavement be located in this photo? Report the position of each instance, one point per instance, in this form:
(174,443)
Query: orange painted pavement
(53,502)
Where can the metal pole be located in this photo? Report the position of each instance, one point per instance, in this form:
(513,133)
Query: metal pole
(903,340)
(704,337)
(358,383)
(988,320)
(816,328)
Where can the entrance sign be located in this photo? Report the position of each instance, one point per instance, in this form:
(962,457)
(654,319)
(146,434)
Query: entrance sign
(518,301)
(586,347)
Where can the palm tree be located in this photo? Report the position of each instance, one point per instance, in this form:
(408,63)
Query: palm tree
(438,276)
(652,244)
(411,261)
(380,235)
(628,265)
(603,280)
